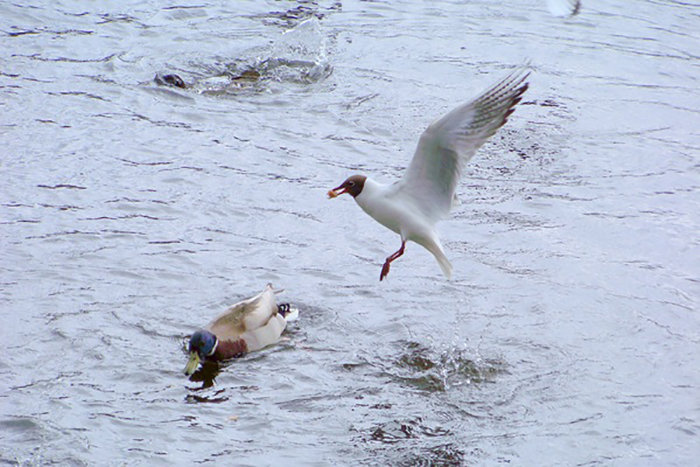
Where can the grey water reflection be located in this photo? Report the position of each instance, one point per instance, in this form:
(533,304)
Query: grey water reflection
(132,213)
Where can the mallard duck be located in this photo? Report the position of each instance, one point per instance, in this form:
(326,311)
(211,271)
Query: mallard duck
(246,326)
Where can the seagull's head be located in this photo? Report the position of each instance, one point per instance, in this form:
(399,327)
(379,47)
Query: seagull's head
(352,185)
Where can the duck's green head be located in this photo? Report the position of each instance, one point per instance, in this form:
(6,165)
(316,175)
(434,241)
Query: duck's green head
(202,345)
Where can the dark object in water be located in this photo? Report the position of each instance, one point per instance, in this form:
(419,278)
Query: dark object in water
(169,80)
(250,74)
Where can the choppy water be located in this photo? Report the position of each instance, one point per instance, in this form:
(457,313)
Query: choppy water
(132,213)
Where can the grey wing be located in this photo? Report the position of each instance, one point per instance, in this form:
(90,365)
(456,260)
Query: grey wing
(447,145)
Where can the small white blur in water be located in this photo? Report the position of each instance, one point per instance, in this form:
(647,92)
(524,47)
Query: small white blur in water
(564,7)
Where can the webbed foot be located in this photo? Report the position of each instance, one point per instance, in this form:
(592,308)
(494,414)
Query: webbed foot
(385,271)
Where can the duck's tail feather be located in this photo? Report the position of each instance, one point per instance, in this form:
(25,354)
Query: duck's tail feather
(276,291)
(288,312)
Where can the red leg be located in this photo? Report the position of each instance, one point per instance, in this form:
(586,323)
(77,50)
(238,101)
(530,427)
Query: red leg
(387,263)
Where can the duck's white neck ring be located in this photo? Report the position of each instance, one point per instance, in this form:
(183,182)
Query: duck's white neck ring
(213,349)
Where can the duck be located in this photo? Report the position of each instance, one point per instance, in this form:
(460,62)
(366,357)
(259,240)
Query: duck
(246,326)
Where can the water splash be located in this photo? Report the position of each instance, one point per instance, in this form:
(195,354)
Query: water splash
(297,57)
(431,371)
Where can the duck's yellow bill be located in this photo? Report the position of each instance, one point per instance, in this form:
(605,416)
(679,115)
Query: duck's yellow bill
(192,363)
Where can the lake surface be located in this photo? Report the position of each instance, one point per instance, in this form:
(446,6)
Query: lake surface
(132,213)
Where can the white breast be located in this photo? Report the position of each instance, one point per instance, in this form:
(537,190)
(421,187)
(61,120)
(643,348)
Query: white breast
(386,205)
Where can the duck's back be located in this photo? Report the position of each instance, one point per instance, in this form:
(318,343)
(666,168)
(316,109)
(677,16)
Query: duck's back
(265,335)
(245,316)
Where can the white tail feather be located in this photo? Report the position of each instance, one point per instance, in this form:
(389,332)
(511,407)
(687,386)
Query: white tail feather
(445,265)
(293,314)
(433,246)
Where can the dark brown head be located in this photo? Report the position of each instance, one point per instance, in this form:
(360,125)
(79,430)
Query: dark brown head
(353,186)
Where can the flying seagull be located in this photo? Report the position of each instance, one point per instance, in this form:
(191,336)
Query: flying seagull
(413,205)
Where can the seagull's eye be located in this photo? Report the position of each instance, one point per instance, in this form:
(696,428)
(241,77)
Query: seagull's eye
(351,184)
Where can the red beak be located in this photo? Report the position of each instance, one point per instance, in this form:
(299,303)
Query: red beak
(337,191)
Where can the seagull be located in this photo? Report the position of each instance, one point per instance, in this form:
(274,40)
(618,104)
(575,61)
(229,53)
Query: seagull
(426,193)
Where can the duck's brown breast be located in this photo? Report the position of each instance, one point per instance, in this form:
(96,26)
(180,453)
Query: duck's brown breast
(230,349)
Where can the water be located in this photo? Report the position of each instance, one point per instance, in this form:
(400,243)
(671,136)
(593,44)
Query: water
(133,213)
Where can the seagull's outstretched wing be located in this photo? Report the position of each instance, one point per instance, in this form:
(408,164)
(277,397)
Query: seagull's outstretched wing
(448,144)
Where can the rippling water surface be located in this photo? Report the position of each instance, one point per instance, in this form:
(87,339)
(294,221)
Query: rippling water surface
(132,213)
